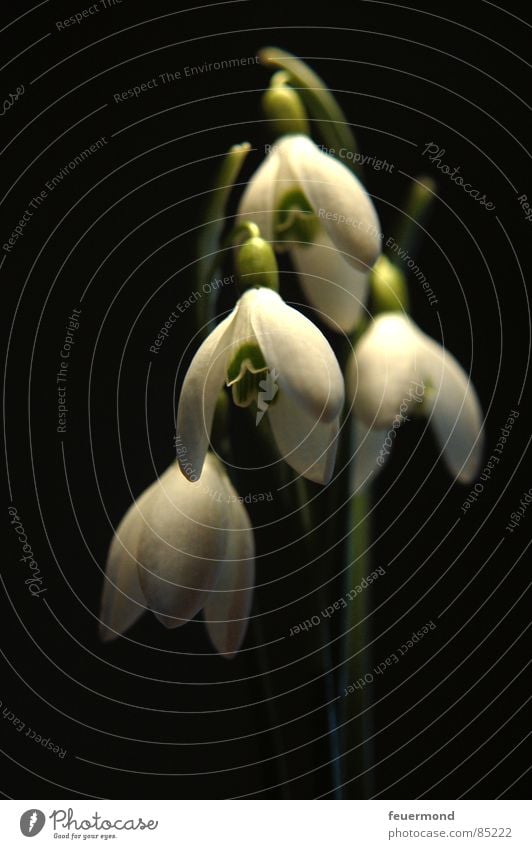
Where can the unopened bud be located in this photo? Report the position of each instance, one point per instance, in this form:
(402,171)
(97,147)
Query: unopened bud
(389,288)
(256,265)
(284,108)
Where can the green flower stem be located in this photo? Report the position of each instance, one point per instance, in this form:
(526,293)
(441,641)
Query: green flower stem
(321,651)
(211,232)
(357,659)
(308,522)
(353,512)
(221,443)
(418,204)
(259,640)
(319,102)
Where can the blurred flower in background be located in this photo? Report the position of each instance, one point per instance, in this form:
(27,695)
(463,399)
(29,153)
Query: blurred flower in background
(306,201)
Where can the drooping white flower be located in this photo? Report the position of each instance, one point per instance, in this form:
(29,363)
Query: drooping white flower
(397,370)
(183,547)
(334,243)
(263,334)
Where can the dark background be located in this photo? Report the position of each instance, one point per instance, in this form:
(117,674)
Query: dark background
(157,714)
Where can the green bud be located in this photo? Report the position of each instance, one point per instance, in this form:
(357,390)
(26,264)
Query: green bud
(295,220)
(421,197)
(284,108)
(389,288)
(320,104)
(256,265)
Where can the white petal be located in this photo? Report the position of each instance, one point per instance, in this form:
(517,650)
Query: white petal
(396,367)
(338,198)
(259,199)
(369,457)
(384,375)
(292,345)
(123,601)
(454,410)
(199,394)
(335,289)
(182,543)
(305,442)
(227,610)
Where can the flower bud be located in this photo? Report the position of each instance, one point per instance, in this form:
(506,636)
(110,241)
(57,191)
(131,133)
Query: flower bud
(256,265)
(284,108)
(389,289)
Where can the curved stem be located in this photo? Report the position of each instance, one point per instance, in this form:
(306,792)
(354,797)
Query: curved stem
(211,232)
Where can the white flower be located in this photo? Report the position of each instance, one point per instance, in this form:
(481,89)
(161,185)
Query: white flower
(397,371)
(183,547)
(333,251)
(264,334)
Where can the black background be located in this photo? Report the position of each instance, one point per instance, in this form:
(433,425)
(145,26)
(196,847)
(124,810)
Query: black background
(157,714)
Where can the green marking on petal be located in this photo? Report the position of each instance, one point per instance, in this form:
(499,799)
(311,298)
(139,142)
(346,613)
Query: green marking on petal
(244,373)
(295,219)
(248,357)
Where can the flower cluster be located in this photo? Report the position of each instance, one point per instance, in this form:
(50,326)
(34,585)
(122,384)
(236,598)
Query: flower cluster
(179,550)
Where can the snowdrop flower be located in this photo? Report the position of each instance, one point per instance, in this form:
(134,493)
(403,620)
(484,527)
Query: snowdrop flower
(183,547)
(264,336)
(396,371)
(305,200)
